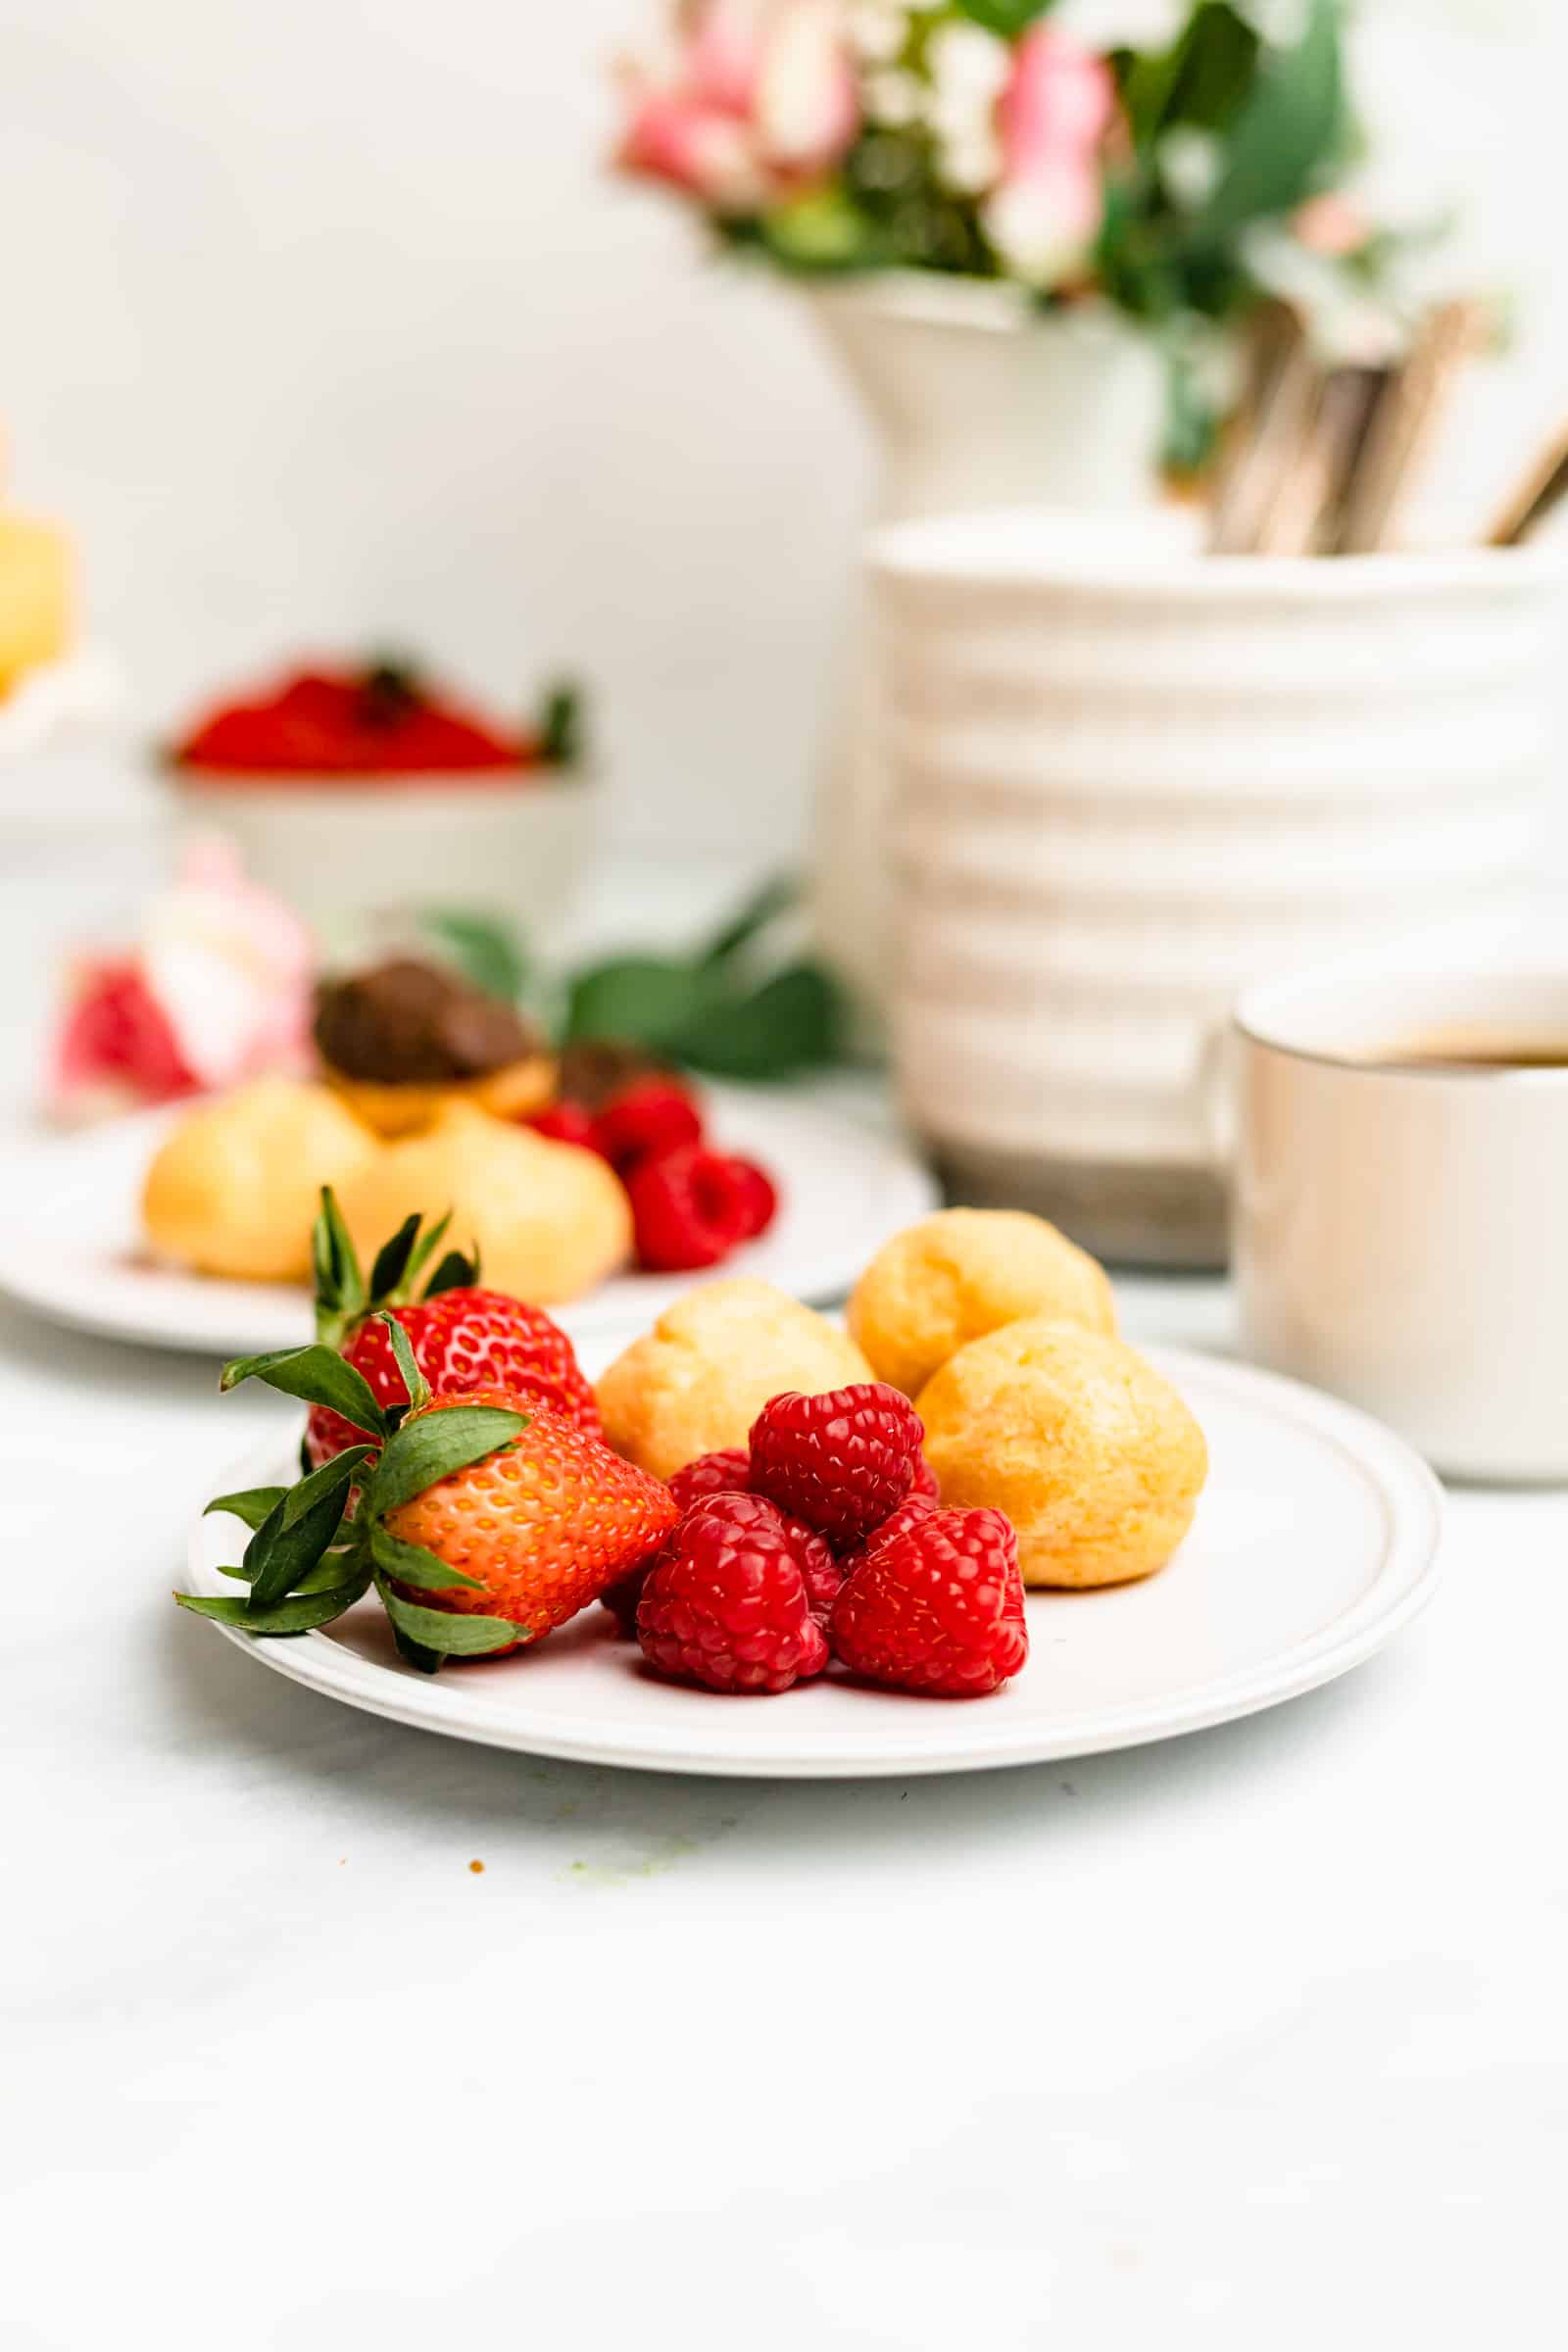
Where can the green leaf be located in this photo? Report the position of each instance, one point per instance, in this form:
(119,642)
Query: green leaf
(339,1282)
(1292,123)
(318,1374)
(412,1564)
(1007,16)
(423,1250)
(414,1653)
(423,1453)
(563,725)
(774,898)
(453,1635)
(455,1273)
(298,1614)
(249,1503)
(794,1021)
(392,1259)
(298,1530)
(643,999)
(1200,81)
(488,953)
(413,1380)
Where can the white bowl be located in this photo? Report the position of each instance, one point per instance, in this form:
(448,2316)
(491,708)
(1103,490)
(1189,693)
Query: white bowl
(371,854)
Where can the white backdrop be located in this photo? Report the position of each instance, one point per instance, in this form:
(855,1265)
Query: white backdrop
(323,323)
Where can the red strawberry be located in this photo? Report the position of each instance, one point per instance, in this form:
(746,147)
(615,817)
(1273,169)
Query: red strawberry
(566,1123)
(688,1209)
(936,1608)
(542,1525)
(644,1120)
(722,1473)
(842,1461)
(728,1605)
(463,1337)
(758,1195)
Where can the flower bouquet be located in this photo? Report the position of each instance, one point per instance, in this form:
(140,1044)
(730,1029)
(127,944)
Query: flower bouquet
(1172,162)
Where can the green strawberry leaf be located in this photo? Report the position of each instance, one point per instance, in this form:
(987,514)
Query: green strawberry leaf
(423,1250)
(392,1259)
(300,1613)
(453,1635)
(424,1451)
(455,1272)
(251,1504)
(339,1282)
(295,1533)
(414,1653)
(412,1564)
(318,1374)
(563,724)
(413,1380)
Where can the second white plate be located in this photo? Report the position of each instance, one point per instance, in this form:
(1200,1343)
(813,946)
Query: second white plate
(71,1246)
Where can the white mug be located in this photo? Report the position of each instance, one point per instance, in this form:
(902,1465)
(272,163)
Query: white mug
(1401,1227)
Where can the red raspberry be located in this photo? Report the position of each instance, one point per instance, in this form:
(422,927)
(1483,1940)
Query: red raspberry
(758,1193)
(728,1605)
(925,1480)
(910,1512)
(462,1339)
(725,1473)
(840,1461)
(938,1608)
(687,1210)
(566,1123)
(643,1121)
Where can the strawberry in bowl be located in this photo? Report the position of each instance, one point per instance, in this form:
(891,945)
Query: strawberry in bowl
(368,793)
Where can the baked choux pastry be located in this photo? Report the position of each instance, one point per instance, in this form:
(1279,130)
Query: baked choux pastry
(404,1040)
(1094,1457)
(698,1378)
(550,1220)
(964,1272)
(235,1188)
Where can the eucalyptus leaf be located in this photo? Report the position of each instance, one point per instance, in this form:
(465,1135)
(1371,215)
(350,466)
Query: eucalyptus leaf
(413,1380)
(423,1453)
(774,898)
(1291,126)
(488,953)
(794,1021)
(298,1614)
(412,1564)
(318,1374)
(249,1503)
(453,1635)
(643,998)
(392,1259)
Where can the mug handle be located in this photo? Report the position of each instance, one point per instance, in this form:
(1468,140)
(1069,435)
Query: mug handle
(1214,1111)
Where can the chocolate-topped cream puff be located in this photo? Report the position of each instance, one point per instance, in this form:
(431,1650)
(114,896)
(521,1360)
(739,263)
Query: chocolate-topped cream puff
(404,1040)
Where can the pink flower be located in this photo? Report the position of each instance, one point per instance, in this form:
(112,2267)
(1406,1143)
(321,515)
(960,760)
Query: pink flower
(762,101)
(1046,209)
(218,989)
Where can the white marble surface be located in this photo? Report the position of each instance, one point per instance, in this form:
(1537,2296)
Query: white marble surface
(1257,2036)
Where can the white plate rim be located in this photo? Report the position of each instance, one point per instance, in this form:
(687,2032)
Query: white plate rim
(976,1737)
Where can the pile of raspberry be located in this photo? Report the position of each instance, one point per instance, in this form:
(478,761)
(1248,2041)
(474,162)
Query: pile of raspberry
(691,1205)
(825,1540)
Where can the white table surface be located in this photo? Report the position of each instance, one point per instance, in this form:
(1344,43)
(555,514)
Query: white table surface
(1255,2038)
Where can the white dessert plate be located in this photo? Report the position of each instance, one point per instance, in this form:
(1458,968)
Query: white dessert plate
(70,1245)
(1316,1541)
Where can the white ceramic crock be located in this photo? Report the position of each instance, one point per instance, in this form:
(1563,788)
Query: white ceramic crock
(355,859)
(1401,1233)
(1126,784)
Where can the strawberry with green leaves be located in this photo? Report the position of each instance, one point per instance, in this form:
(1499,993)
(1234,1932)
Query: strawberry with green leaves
(481,1519)
(463,1337)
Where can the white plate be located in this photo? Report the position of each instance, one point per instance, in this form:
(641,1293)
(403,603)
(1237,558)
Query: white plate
(71,1246)
(1317,1540)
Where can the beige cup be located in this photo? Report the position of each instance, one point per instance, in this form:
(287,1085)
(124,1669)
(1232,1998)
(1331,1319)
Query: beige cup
(1401,1231)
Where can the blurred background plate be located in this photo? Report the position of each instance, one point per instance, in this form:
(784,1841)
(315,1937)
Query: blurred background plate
(1315,1541)
(72,1247)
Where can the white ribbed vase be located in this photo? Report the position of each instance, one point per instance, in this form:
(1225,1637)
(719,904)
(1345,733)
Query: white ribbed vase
(1126,785)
